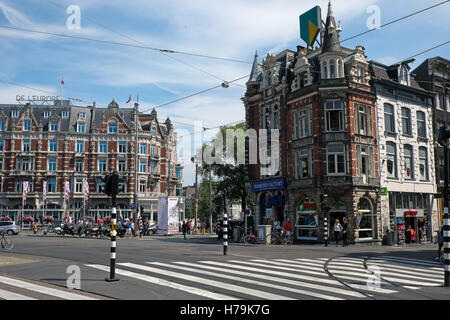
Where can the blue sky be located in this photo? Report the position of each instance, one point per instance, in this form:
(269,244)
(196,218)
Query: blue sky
(232,29)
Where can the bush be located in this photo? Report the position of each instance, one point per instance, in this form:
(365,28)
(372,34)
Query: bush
(28,219)
(49,219)
(6,219)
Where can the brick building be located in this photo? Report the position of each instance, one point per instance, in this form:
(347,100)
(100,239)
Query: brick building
(323,104)
(62,142)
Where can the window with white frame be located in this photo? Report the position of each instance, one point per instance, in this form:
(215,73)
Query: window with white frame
(78,165)
(102,165)
(103,147)
(423,163)
(389,118)
(100,186)
(363,119)
(78,185)
(79,146)
(65,114)
(332,70)
(53,146)
(152,149)
(14,113)
(46,114)
(112,127)
(421,124)
(26,125)
(365,160)
(54,126)
(143,148)
(334,115)
(142,186)
(52,164)
(80,127)
(122,147)
(142,166)
(26,146)
(303,164)
(408,161)
(82,115)
(391,159)
(122,166)
(406,121)
(335,159)
(153,131)
(302,123)
(360,75)
(25,164)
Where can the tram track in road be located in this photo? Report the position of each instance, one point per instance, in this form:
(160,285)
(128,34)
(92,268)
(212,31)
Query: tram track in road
(393,286)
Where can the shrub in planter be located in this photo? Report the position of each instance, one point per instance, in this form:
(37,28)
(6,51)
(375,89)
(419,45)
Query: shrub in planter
(6,219)
(49,219)
(28,219)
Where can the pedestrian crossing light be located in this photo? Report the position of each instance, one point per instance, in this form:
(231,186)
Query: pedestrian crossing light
(444,135)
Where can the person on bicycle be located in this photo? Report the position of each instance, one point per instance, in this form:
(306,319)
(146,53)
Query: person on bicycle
(288,227)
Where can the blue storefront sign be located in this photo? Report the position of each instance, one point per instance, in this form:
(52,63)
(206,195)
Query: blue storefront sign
(268,185)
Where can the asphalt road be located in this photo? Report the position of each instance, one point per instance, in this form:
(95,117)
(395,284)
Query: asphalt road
(171,268)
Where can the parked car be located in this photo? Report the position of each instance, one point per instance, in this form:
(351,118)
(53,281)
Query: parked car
(10,227)
(152,229)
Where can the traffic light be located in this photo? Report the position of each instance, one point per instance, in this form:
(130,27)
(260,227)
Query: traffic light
(323,197)
(111,184)
(444,135)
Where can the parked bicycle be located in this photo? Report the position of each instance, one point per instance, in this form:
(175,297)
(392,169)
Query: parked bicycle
(6,241)
(279,237)
(246,237)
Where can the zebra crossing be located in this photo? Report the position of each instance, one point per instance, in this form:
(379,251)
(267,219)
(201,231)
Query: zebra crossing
(340,278)
(17,289)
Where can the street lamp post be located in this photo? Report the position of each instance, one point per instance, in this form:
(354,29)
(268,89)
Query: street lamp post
(193,159)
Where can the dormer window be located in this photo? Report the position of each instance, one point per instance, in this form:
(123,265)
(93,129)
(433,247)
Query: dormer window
(360,75)
(14,113)
(2,125)
(54,126)
(46,114)
(27,125)
(65,114)
(80,127)
(403,76)
(82,115)
(332,70)
(112,127)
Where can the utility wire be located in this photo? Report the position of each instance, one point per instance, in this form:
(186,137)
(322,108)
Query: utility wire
(141,43)
(121,44)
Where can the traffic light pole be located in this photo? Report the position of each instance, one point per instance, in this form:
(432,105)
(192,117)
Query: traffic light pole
(443,138)
(111,189)
(446,221)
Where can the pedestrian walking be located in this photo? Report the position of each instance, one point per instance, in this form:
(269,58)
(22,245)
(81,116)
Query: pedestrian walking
(189,227)
(440,238)
(129,229)
(288,227)
(337,231)
(184,229)
(344,231)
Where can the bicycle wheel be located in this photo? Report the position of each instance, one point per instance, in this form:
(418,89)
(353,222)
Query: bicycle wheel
(7,243)
(249,239)
(273,239)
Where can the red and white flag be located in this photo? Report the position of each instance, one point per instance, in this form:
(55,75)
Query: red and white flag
(26,189)
(67,191)
(86,191)
(44,191)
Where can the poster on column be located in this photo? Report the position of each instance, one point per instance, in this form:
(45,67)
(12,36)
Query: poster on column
(167,215)
(162,216)
(172,203)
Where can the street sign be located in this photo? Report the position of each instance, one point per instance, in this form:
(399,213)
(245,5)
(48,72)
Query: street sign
(310,22)
(133,206)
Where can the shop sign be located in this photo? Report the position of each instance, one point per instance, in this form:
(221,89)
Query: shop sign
(307,206)
(36,98)
(383,191)
(275,184)
(409,213)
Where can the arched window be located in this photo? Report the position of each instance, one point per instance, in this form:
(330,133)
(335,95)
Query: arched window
(332,69)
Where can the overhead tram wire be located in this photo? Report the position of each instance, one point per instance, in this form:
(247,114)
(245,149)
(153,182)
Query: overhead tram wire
(122,44)
(141,43)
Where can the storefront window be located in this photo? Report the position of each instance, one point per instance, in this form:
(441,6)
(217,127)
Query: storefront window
(364,219)
(307,221)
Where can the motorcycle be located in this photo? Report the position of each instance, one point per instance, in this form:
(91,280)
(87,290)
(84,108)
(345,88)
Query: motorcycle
(66,229)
